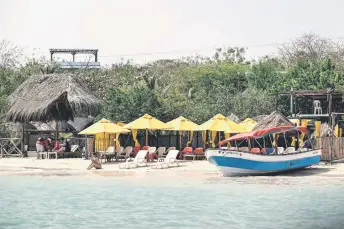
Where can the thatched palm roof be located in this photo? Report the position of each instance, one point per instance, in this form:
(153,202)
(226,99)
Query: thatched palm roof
(259,118)
(273,120)
(51,97)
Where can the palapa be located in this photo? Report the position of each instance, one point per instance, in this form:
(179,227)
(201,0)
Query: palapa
(273,120)
(51,97)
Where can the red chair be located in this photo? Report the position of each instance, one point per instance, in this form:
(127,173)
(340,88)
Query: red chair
(186,151)
(255,150)
(199,152)
(263,150)
(136,149)
(145,147)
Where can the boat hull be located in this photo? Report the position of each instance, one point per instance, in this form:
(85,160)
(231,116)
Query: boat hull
(234,163)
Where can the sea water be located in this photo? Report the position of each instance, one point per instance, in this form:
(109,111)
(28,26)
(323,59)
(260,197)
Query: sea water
(166,201)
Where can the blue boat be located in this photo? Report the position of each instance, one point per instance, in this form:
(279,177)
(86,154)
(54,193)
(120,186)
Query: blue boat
(242,161)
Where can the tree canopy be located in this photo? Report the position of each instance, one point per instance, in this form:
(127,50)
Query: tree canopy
(196,87)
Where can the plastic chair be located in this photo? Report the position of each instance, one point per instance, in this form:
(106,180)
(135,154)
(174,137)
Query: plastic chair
(145,147)
(198,152)
(168,150)
(317,107)
(136,149)
(161,151)
(187,152)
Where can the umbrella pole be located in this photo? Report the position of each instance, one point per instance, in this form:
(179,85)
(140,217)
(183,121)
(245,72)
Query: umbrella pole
(180,139)
(219,138)
(197,139)
(169,140)
(146,137)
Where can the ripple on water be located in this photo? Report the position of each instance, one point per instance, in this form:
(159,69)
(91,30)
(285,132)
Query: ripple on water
(175,201)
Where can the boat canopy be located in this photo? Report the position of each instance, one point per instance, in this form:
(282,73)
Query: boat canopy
(264,132)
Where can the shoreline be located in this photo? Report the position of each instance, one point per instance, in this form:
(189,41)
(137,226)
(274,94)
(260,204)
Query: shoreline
(77,167)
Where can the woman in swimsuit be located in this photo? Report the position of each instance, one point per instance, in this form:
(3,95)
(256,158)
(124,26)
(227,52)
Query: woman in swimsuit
(95,163)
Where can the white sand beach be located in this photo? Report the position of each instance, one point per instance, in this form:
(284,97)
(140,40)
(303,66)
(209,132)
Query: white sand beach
(33,166)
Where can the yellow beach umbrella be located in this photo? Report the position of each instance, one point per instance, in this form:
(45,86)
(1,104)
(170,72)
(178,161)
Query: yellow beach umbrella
(104,127)
(248,124)
(183,124)
(146,122)
(221,123)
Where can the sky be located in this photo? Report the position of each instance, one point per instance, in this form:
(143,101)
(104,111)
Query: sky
(146,30)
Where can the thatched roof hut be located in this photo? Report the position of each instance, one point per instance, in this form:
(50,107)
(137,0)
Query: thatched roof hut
(259,118)
(273,120)
(51,97)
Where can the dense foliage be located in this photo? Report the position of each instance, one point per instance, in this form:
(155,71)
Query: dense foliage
(199,87)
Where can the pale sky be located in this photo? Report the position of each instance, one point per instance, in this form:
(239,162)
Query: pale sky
(146,30)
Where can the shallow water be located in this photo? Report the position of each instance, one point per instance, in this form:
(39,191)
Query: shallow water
(175,201)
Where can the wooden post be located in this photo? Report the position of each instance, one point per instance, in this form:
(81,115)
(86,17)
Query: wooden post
(2,151)
(291,103)
(331,138)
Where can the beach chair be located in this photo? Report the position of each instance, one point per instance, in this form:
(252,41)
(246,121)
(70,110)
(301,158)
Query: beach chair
(135,162)
(199,152)
(152,154)
(168,150)
(111,153)
(41,152)
(233,148)
(128,151)
(120,153)
(145,147)
(161,151)
(187,152)
(135,150)
(171,158)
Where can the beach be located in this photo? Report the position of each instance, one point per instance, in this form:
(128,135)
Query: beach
(200,168)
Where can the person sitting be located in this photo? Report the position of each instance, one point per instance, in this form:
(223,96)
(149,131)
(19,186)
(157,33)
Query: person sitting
(307,144)
(57,146)
(65,145)
(95,163)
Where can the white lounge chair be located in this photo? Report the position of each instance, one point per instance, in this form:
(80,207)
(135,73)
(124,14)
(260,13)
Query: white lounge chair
(171,158)
(168,150)
(161,151)
(135,162)
(120,154)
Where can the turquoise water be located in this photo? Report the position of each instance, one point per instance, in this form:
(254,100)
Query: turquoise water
(176,202)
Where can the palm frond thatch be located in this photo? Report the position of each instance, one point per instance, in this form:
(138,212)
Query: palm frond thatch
(51,97)
(259,118)
(273,120)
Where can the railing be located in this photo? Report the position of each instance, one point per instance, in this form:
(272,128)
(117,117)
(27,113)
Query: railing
(9,147)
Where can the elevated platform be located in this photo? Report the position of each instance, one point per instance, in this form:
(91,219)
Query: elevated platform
(79,65)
